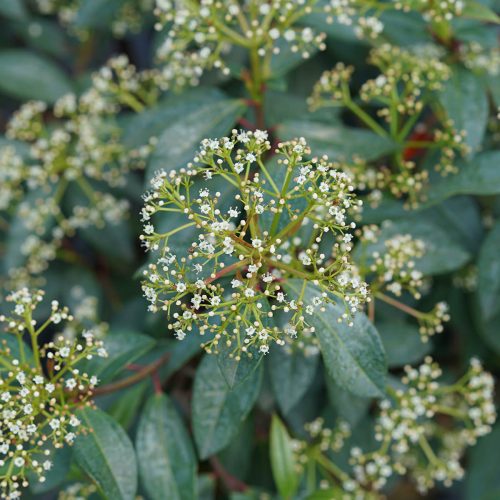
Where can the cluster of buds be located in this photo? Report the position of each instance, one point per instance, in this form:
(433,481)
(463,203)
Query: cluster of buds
(415,440)
(442,11)
(401,92)
(409,421)
(405,77)
(82,151)
(200,34)
(390,264)
(221,266)
(393,267)
(129,18)
(40,390)
(476,57)
(408,74)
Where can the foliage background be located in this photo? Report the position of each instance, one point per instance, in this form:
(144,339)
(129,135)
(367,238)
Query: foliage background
(42,59)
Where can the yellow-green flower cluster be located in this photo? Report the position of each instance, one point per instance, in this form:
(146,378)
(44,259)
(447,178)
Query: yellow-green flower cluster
(221,267)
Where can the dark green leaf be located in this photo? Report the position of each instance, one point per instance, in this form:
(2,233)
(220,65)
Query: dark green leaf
(464,98)
(26,75)
(402,342)
(489,287)
(338,142)
(479,175)
(167,463)
(354,356)
(482,481)
(13,9)
(123,347)
(346,405)
(181,137)
(292,372)
(107,455)
(217,409)
(236,371)
(283,460)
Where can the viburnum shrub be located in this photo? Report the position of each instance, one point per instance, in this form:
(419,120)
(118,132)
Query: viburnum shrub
(273,225)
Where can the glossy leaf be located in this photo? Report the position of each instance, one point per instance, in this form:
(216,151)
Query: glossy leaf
(218,410)
(107,455)
(489,287)
(464,98)
(480,176)
(26,75)
(167,463)
(282,460)
(339,142)
(180,139)
(292,373)
(402,342)
(123,347)
(354,356)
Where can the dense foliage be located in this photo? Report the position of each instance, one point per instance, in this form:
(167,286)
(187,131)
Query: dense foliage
(250,249)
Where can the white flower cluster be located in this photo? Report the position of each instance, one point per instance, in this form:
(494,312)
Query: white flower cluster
(40,390)
(415,439)
(201,34)
(81,152)
(221,265)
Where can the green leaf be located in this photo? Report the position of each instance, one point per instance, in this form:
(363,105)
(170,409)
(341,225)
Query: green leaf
(482,481)
(13,9)
(123,347)
(26,75)
(476,10)
(292,373)
(353,355)
(338,142)
(115,241)
(234,371)
(167,463)
(479,175)
(489,287)
(465,101)
(138,128)
(327,494)
(107,455)
(282,460)
(180,139)
(128,403)
(97,13)
(402,343)
(218,410)
(347,406)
